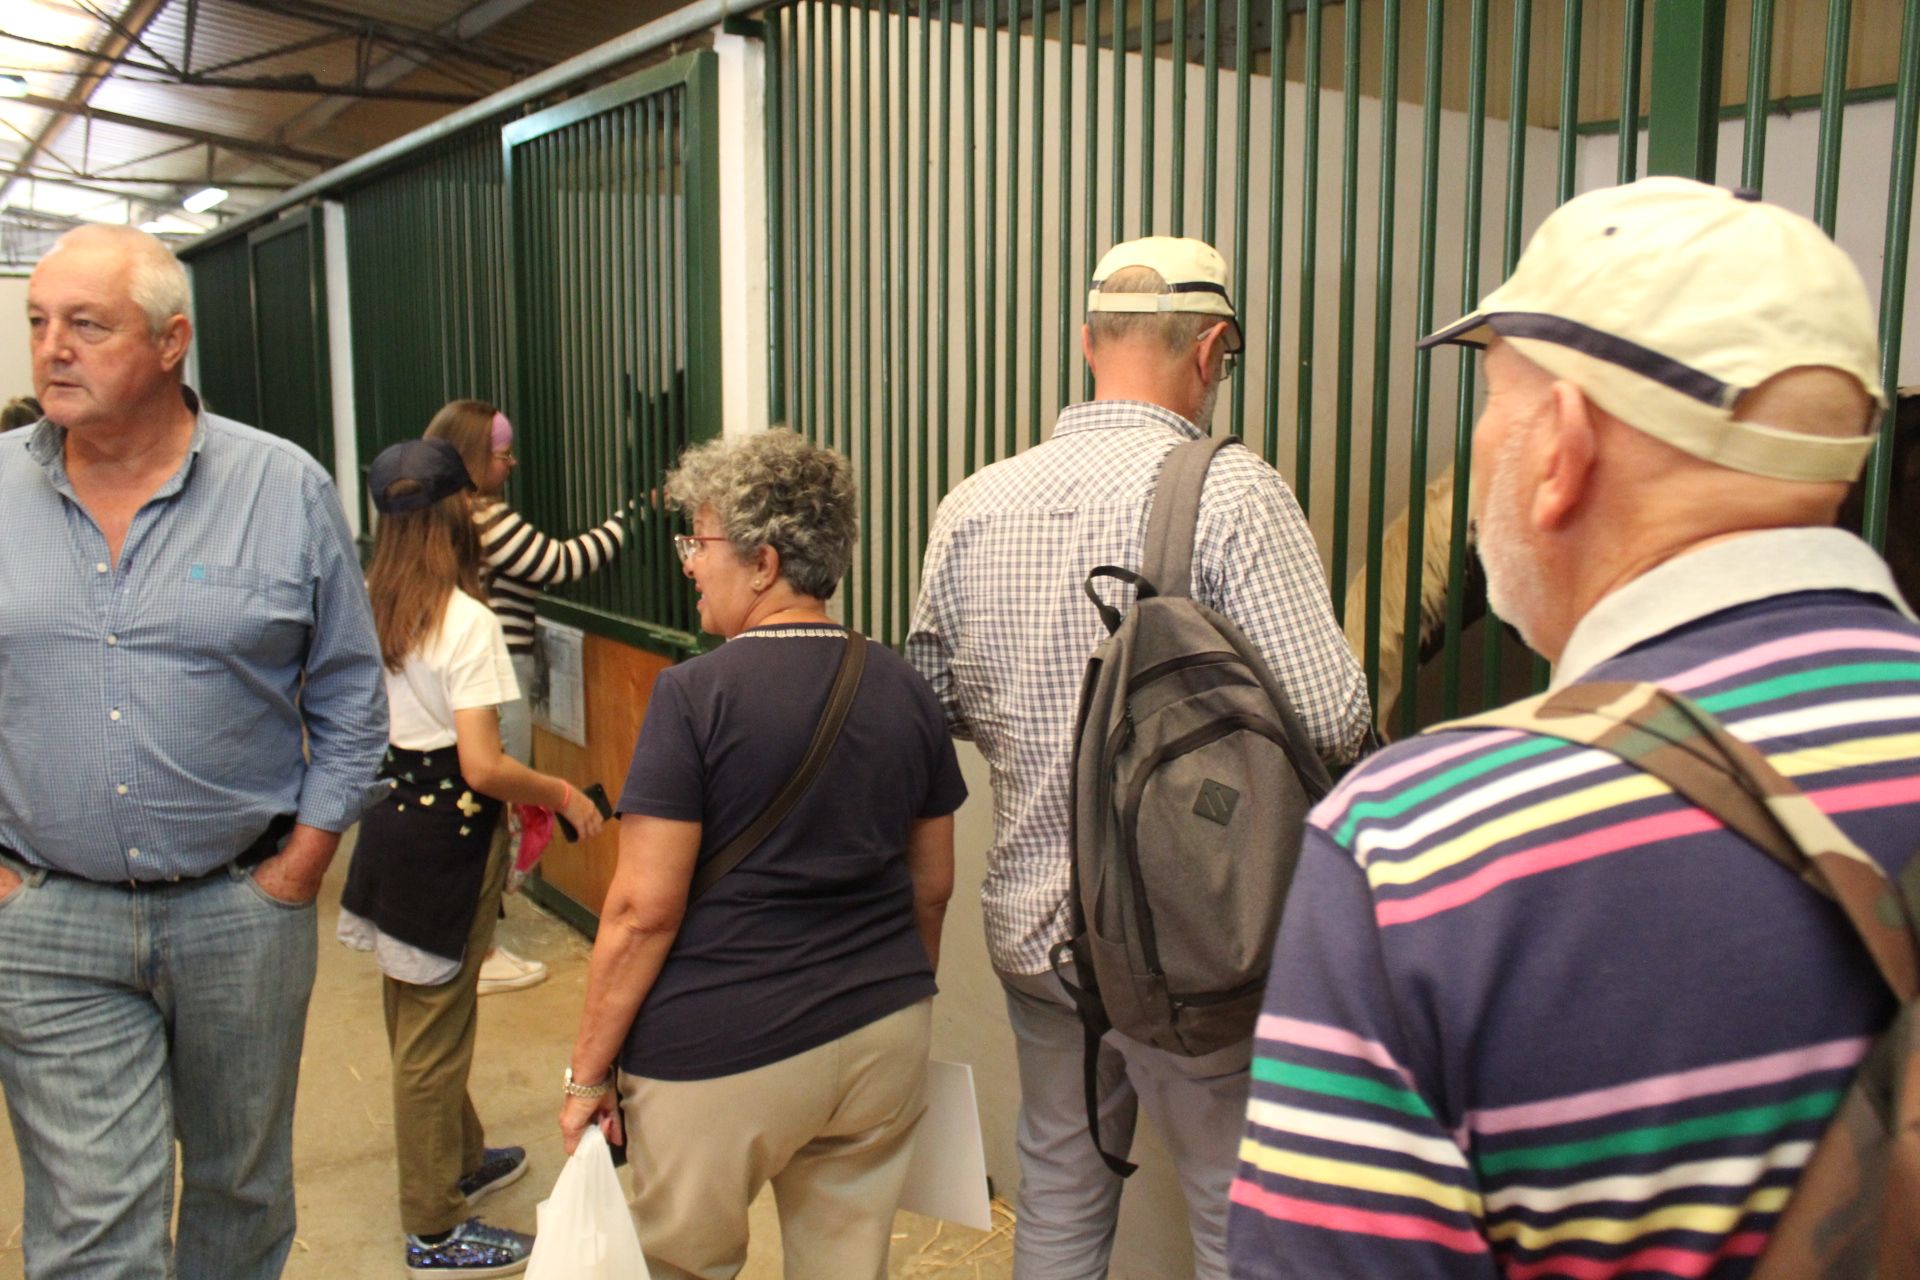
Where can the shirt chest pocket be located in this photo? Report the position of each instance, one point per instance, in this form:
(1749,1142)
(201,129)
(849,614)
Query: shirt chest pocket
(222,611)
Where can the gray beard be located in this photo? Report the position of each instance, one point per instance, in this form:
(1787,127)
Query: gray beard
(1203,417)
(1514,578)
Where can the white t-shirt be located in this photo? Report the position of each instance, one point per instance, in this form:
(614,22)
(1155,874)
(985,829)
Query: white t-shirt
(462,665)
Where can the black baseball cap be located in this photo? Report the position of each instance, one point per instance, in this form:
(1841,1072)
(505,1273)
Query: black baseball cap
(434,466)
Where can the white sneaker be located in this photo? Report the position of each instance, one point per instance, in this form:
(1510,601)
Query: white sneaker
(504,971)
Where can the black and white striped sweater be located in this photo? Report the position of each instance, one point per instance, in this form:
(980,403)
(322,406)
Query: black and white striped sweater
(521,561)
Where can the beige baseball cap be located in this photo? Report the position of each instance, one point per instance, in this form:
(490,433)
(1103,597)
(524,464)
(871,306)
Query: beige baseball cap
(1665,299)
(1194,271)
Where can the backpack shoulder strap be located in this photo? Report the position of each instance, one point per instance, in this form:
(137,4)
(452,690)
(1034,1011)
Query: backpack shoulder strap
(846,682)
(1683,745)
(1166,559)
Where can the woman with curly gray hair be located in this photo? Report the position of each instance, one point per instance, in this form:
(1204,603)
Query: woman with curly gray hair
(775,1027)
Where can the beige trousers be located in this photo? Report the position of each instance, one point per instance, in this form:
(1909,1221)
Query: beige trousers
(830,1128)
(436,1132)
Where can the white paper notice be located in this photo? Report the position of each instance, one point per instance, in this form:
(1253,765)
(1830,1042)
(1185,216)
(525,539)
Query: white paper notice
(559,695)
(948,1176)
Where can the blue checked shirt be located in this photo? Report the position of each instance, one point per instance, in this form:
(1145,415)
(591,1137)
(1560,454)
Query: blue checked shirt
(152,712)
(1003,631)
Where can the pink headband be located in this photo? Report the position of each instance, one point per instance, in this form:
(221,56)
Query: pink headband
(502,433)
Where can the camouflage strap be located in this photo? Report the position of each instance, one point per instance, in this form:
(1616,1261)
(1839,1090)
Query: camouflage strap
(1686,748)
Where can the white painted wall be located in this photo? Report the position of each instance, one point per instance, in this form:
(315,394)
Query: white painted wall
(1860,224)
(743,234)
(16,364)
(339,322)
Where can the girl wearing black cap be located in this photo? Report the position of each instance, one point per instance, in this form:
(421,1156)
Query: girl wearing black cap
(424,888)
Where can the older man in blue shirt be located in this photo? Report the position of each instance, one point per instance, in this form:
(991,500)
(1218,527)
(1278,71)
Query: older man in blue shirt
(179,607)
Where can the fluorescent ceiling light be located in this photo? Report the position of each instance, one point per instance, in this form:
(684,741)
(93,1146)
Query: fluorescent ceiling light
(12,86)
(168,224)
(203,199)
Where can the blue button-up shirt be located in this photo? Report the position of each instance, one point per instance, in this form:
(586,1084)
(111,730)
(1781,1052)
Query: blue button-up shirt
(152,711)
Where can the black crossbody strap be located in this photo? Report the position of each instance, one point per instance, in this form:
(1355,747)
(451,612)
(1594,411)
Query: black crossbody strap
(846,682)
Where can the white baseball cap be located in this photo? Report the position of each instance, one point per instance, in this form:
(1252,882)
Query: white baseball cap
(1194,272)
(1665,299)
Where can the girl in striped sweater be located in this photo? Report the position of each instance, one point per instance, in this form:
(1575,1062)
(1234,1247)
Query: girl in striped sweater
(521,561)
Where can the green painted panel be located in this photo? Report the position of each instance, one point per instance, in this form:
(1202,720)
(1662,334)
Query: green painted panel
(290,328)
(223,331)
(427,263)
(614,211)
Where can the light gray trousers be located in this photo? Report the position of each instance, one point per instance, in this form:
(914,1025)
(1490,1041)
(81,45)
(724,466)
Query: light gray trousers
(1069,1200)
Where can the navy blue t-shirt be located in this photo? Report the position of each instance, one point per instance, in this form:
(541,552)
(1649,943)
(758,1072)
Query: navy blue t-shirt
(812,936)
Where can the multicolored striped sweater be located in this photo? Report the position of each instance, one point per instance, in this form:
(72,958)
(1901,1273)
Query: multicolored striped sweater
(1533,1016)
(521,560)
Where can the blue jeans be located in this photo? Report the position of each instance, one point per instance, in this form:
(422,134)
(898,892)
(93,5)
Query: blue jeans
(129,1019)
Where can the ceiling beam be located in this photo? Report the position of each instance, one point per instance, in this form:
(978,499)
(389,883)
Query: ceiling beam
(301,82)
(227,142)
(186,44)
(278,51)
(435,42)
(133,20)
(474,22)
(61,179)
(84,181)
(211,77)
(130,34)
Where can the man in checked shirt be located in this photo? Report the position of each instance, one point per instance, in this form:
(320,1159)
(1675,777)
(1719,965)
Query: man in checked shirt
(1003,633)
(180,607)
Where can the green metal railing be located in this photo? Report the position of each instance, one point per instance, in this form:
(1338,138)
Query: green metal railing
(427,289)
(1893,278)
(260,322)
(927,287)
(1833,103)
(943,174)
(223,331)
(290,331)
(613,222)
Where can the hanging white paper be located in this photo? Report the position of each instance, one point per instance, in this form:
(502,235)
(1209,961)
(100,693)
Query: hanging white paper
(948,1176)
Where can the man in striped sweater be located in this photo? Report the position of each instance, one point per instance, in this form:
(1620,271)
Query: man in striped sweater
(1531,1014)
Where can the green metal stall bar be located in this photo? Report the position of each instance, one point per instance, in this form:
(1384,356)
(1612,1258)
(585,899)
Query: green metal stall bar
(427,289)
(291,363)
(223,331)
(612,219)
(943,173)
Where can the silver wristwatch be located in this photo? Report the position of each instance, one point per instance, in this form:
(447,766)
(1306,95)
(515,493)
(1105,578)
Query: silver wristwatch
(577,1090)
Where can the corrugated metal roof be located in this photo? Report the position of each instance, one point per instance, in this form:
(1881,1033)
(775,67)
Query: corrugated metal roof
(460,49)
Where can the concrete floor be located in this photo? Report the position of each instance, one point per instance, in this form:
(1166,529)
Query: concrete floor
(344,1173)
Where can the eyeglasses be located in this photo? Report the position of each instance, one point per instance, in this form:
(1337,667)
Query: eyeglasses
(687,545)
(1230,359)
(506,456)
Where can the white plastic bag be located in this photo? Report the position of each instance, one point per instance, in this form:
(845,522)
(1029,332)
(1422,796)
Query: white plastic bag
(585,1230)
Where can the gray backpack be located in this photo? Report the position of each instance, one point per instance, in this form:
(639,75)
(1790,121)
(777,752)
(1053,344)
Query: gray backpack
(1192,777)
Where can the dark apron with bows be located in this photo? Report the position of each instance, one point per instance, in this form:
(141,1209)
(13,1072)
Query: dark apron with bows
(422,852)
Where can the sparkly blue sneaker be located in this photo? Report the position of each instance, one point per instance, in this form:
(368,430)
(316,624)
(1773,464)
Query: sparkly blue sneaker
(499,1167)
(474,1249)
